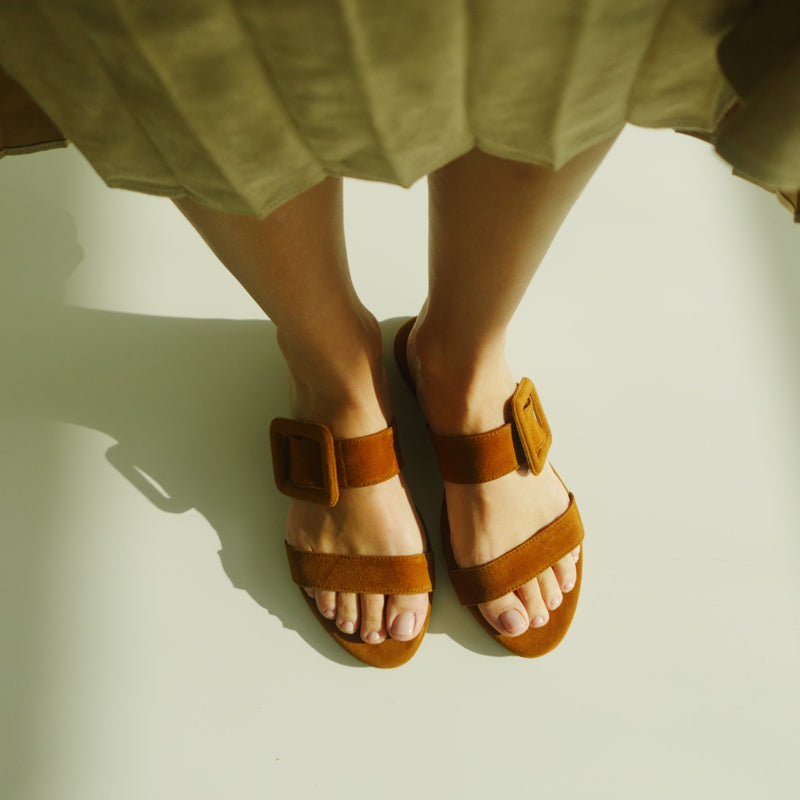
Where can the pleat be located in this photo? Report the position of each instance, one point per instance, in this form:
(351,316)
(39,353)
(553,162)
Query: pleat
(679,83)
(200,90)
(242,104)
(372,87)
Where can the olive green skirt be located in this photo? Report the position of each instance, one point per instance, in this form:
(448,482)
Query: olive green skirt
(242,104)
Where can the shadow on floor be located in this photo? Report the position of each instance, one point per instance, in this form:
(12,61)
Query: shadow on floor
(188,403)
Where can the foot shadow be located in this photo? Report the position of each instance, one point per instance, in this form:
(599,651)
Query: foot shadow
(187,403)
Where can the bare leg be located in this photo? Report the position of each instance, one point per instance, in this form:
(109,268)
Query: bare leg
(491,222)
(294,265)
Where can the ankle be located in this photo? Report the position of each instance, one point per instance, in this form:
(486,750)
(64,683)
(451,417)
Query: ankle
(335,355)
(348,410)
(341,381)
(458,353)
(461,388)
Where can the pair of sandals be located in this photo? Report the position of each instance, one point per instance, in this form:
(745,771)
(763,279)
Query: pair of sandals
(309,464)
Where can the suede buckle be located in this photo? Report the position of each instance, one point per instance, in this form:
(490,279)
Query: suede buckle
(483,457)
(531,425)
(304,461)
(309,464)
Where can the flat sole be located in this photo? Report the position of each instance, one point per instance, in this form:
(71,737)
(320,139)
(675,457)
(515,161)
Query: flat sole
(534,642)
(386,655)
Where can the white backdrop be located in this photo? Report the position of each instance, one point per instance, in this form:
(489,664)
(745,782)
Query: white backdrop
(153,644)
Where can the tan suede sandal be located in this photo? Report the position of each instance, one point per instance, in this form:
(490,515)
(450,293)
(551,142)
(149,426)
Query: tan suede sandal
(309,464)
(523,441)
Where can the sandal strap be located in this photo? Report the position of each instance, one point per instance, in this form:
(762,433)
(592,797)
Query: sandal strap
(476,585)
(362,574)
(483,457)
(309,464)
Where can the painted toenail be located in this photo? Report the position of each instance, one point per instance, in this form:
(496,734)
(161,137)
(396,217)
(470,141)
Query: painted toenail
(373,637)
(346,626)
(538,622)
(555,602)
(568,586)
(512,621)
(404,624)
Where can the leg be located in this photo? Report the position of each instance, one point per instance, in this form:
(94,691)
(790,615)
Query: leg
(491,223)
(294,265)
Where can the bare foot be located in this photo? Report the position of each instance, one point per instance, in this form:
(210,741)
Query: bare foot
(489,519)
(370,520)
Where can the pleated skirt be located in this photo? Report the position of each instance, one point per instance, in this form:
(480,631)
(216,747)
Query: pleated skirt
(242,104)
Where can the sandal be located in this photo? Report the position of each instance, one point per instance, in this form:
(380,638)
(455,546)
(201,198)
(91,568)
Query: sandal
(309,464)
(523,441)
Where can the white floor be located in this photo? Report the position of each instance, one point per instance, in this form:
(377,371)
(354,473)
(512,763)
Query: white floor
(153,645)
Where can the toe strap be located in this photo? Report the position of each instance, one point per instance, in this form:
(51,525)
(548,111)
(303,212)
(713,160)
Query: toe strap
(362,574)
(475,585)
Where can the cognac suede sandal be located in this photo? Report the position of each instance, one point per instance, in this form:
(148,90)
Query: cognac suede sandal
(309,464)
(522,442)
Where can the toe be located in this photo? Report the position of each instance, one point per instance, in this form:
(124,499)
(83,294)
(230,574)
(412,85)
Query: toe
(326,602)
(507,615)
(531,596)
(576,553)
(372,627)
(405,615)
(566,573)
(347,612)
(551,591)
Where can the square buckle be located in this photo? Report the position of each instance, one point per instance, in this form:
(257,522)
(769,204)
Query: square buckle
(304,461)
(531,425)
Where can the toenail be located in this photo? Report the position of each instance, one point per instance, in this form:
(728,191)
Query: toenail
(347,626)
(373,637)
(404,624)
(568,586)
(555,602)
(512,621)
(330,613)
(538,622)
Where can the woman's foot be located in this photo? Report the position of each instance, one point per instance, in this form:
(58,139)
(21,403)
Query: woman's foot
(469,395)
(370,520)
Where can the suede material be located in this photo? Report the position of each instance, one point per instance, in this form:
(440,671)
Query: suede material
(475,585)
(531,425)
(485,456)
(304,461)
(482,457)
(534,642)
(362,574)
(478,458)
(367,460)
(309,464)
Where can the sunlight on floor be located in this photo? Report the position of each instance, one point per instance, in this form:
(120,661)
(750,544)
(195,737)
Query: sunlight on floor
(157,647)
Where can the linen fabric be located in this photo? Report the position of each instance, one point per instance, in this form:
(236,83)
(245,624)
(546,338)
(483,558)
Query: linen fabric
(242,104)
